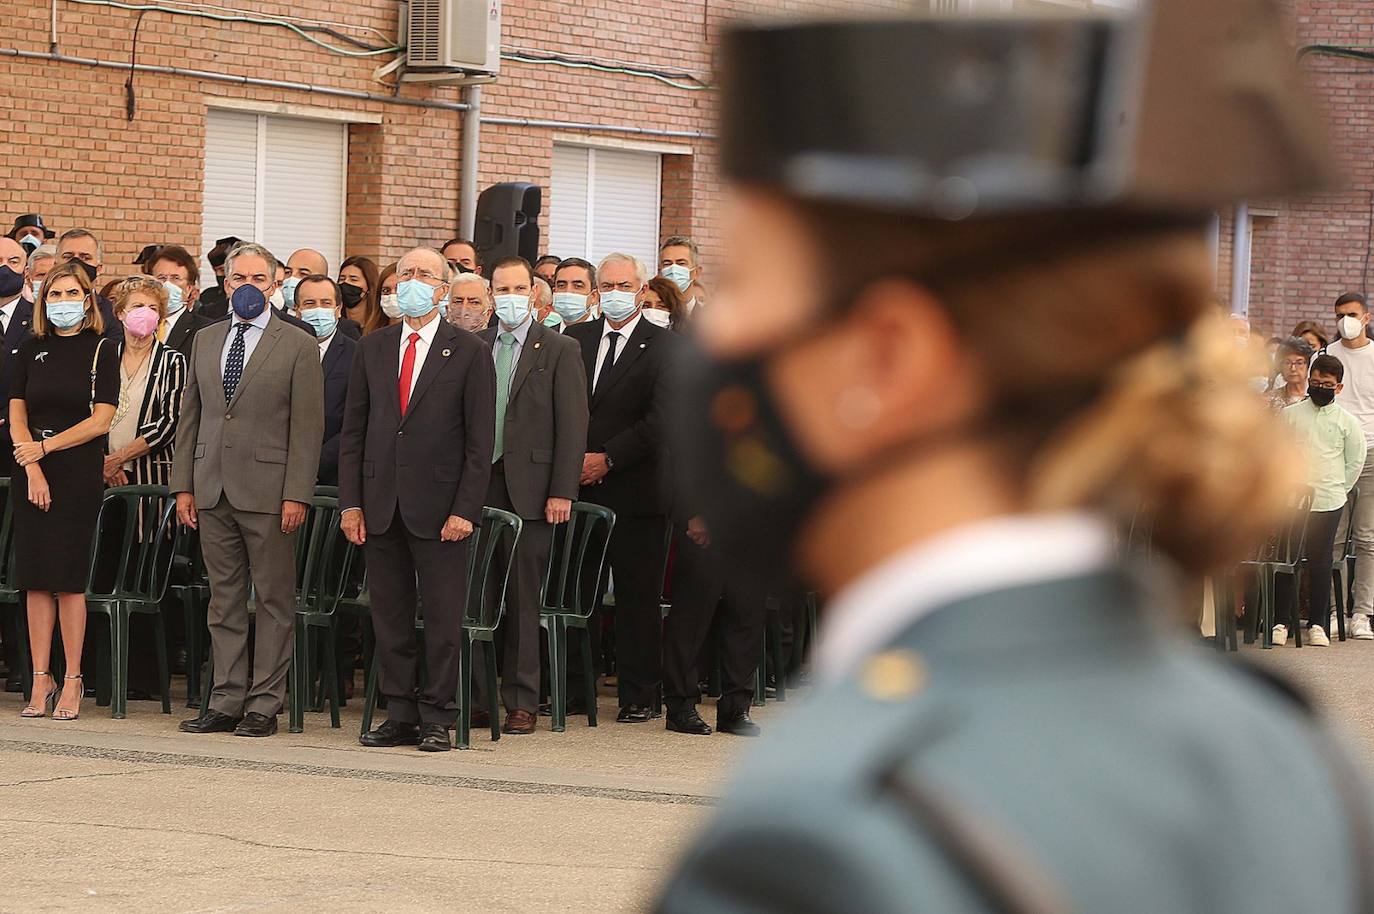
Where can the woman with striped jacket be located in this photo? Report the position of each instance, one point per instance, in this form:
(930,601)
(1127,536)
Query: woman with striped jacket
(151,377)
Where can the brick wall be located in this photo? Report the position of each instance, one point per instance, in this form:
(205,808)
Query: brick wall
(1313,249)
(70,153)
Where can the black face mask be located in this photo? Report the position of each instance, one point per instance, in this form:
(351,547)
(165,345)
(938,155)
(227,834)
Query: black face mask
(86,268)
(743,471)
(11,283)
(352,294)
(1321,396)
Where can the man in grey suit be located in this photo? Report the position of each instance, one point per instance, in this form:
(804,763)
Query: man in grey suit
(541,436)
(248,450)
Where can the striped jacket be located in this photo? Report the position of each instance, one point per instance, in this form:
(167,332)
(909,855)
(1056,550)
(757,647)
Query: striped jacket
(157,417)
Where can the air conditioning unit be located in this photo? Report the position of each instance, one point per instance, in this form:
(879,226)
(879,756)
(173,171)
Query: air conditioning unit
(454,36)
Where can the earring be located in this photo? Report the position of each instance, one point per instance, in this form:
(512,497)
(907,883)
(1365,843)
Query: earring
(858,407)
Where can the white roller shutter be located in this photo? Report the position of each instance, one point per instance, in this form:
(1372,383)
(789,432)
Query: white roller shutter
(231,172)
(276,180)
(568,202)
(604,200)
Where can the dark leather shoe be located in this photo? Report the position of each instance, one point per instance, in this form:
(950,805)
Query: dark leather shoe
(479,719)
(434,738)
(738,723)
(575,706)
(391,734)
(211,721)
(634,714)
(688,721)
(255,724)
(14,683)
(518,722)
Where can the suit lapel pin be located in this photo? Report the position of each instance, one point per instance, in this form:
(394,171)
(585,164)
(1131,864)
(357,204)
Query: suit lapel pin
(642,345)
(446,352)
(537,345)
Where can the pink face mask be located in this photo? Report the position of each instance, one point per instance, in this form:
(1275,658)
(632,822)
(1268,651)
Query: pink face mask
(141,321)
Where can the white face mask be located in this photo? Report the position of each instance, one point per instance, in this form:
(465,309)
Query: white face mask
(657,317)
(390,307)
(1349,327)
(691,305)
(277,301)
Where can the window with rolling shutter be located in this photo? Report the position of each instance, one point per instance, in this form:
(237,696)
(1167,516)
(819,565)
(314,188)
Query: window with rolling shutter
(604,200)
(276,180)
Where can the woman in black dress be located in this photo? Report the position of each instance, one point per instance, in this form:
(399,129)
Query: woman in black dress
(62,400)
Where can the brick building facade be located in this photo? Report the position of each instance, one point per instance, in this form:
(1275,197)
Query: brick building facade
(182,168)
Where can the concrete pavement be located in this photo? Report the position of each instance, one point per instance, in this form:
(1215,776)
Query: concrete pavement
(105,815)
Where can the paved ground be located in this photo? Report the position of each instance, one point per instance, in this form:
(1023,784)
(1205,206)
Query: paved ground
(104,815)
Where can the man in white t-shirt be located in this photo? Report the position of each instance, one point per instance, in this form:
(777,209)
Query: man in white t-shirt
(1357,398)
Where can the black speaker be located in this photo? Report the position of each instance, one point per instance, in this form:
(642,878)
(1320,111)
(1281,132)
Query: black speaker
(508,222)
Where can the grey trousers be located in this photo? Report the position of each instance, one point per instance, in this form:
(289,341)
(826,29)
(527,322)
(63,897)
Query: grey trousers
(1363,542)
(240,548)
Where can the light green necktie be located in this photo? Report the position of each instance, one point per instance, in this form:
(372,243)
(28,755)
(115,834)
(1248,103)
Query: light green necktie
(505,354)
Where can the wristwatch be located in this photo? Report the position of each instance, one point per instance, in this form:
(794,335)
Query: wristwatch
(610,464)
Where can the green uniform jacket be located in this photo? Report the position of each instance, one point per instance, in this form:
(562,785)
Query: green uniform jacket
(1047,748)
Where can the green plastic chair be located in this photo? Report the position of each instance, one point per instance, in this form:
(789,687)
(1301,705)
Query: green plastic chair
(1343,568)
(563,609)
(1284,556)
(490,557)
(324,557)
(137,527)
(8,595)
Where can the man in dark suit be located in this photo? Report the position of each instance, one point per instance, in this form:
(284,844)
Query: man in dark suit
(626,360)
(541,437)
(176,269)
(214,304)
(15,316)
(414,462)
(320,304)
(81,246)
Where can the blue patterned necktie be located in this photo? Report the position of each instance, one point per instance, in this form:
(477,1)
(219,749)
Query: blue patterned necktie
(233,366)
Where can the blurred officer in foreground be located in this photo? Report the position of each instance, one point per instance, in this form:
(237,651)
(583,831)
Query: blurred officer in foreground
(1005,717)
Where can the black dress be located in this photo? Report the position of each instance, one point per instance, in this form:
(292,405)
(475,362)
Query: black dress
(52,374)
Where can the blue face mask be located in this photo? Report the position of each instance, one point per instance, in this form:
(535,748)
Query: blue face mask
(288,292)
(678,274)
(174,299)
(443,306)
(324,320)
(553,320)
(618,305)
(415,298)
(512,310)
(570,306)
(248,301)
(65,315)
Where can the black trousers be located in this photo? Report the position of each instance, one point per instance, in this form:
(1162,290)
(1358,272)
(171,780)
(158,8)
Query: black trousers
(518,634)
(1321,539)
(703,595)
(394,560)
(634,557)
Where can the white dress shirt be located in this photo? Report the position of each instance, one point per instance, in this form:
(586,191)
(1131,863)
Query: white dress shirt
(606,330)
(250,336)
(1012,551)
(324,346)
(7,314)
(520,333)
(170,321)
(421,347)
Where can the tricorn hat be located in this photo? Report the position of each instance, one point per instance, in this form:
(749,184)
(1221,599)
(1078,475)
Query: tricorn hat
(221,250)
(30,220)
(1172,110)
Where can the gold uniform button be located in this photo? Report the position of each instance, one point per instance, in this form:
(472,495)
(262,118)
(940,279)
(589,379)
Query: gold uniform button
(893,675)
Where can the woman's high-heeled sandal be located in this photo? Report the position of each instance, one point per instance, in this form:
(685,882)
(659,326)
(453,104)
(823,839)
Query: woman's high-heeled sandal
(64,713)
(49,702)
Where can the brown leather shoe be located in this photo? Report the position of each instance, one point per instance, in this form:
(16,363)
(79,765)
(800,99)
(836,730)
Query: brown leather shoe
(518,722)
(479,719)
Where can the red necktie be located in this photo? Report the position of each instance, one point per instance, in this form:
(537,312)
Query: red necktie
(407,370)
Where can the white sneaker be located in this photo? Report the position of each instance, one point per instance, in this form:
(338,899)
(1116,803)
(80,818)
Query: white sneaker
(1360,629)
(1316,637)
(1332,625)
(1280,635)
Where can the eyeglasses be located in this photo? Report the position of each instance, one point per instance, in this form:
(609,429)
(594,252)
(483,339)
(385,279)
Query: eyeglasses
(1324,385)
(425,275)
(1295,363)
